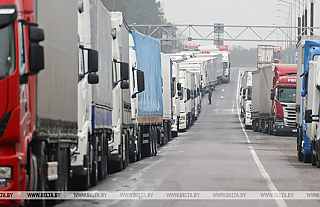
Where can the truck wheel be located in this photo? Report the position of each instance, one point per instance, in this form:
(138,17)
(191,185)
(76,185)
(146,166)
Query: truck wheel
(155,146)
(152,140)
(83,181)
(103,163)
(270,127)
(254,125)
(313,160)
(42,171)
(119,164)
(127,153)
(94,174)
(318,159)
(306,158)
(139,155)
(33,173)
(299,144)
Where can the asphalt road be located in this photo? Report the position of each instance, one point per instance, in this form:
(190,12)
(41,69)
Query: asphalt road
(216,154)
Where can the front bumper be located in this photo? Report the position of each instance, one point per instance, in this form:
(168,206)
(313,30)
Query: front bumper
(282,129)
(18,180)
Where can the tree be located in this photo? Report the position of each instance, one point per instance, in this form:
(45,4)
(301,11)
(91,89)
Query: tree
(138,11)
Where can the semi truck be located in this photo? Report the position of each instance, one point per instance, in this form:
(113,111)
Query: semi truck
(225,78)
(273,99)
(308,50)
(264,55)
(185,111)
(149,104)
(277,55)
(167,94)
(313,110)
(175,99)
(246,94)
(208,70)
(89,157)
(176,59)
(38,128)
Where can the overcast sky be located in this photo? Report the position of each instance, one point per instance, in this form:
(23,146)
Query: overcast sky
(232,12)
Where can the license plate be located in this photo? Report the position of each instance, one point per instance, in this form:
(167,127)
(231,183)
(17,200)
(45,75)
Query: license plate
(294,130)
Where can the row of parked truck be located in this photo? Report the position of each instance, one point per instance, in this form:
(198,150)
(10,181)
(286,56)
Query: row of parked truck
(285,99)
(83,95)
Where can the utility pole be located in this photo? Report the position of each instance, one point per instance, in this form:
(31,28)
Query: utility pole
(311,17)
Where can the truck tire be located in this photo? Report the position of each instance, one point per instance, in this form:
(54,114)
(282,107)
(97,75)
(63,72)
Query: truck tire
(127,153)
(40,153)
(266,126)
(84,181)
(299,145)
(306,158)
(139,147)
(318,158)
(270,127)
(155,146)
(119,164)
(103,154)
(94,174)
(313,160)
(254,125)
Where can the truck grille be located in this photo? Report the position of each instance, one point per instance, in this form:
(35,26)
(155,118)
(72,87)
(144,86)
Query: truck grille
(289,113)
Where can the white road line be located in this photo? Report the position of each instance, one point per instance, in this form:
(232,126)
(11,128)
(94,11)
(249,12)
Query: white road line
(280,202)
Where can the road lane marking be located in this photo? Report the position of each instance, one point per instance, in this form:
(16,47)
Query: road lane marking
(280,202)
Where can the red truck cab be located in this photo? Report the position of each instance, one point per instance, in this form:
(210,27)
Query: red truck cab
(284,98)
(21,57)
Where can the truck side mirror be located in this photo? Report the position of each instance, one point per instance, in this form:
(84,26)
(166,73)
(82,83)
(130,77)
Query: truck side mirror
(229,65)
(36,34)
(244,92)
(93,61)
(36,58)
(36,51)
(272,96)
(124,70)
(140,77)
(124,85)
(308,116)
(93,79)
(179,86)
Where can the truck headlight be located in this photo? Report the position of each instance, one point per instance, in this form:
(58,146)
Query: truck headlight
(5,176)
(5,172)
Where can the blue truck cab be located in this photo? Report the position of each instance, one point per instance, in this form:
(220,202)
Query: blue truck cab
(311,53)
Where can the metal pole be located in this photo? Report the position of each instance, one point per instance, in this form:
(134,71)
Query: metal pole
(306,20)
(311,18)
(303,24)
(299,29)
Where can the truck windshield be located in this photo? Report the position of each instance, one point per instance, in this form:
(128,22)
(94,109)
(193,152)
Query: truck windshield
(225,65)
(288,95)
(249,93)
(7,59)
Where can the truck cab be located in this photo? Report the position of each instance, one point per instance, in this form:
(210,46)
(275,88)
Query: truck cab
(310,52)
(21,58)
(184,100)
(284,99)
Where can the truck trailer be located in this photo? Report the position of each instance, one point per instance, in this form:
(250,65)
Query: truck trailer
(225,78)
(264,55)
(149,103)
